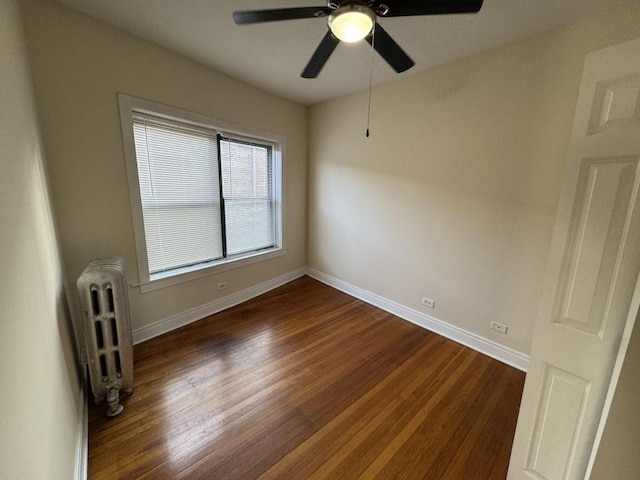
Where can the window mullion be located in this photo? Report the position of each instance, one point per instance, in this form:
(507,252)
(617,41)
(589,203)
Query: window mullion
(223,221)
(182,224)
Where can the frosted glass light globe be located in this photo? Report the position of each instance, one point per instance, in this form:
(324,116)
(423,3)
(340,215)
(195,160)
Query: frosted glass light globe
(351,23)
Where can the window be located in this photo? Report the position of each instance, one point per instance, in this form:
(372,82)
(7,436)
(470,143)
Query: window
(205,197)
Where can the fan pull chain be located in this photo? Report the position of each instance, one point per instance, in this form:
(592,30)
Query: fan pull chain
(373,39)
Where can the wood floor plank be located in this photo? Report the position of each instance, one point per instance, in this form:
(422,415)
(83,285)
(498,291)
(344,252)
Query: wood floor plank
(359,419)
(306,382)
(412,417)
(433,445)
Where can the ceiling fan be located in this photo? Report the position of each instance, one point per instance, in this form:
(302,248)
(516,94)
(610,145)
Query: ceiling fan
(353,20)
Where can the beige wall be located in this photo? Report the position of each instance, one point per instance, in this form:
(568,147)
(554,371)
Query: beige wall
(40,418)
(453,196)
(79,64)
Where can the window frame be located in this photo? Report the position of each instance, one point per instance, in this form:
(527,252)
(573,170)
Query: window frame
(150,282)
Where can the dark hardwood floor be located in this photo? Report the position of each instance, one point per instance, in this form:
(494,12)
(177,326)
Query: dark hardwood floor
(305,382)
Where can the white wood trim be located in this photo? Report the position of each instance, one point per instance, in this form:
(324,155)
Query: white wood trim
(476,342)
(189,316)
(82,444)
(488,347)
(212,268)
(128,105)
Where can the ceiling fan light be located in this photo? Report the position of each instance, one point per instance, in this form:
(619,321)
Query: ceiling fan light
(351,22)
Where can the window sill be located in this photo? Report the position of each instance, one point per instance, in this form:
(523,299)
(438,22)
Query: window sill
(175,277)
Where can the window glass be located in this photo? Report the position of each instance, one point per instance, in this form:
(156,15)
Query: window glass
(200,198)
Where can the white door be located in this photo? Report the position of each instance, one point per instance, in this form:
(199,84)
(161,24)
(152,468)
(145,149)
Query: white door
(590,297)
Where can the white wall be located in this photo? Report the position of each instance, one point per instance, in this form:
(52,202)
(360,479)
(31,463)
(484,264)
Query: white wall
(453,197)
(40,418)
(79,65)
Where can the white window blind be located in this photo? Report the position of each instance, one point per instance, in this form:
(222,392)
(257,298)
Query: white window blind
(204,197)
(247,186)
(179,191)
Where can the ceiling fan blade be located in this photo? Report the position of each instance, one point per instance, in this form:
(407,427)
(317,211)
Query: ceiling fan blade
(327,45)
(258,16)
(403,8)
(390,50)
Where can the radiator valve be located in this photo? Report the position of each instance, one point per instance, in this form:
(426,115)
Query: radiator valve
(113,402)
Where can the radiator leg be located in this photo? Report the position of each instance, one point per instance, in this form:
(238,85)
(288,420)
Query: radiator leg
(113,401)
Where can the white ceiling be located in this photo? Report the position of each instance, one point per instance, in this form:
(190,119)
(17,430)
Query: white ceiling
(272,55)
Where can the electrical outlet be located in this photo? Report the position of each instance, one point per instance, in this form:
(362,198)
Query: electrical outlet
(427,302)
(222,285)
(498,327)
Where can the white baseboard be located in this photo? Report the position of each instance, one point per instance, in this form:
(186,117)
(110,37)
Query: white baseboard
(189,316)
(82,444)
(494,350)
(488,347)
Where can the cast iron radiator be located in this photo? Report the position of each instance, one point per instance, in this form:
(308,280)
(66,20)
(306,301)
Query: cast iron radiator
(102,288)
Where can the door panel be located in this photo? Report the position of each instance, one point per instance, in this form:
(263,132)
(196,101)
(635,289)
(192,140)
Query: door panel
(601,216)
(591,278)
(557,423)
